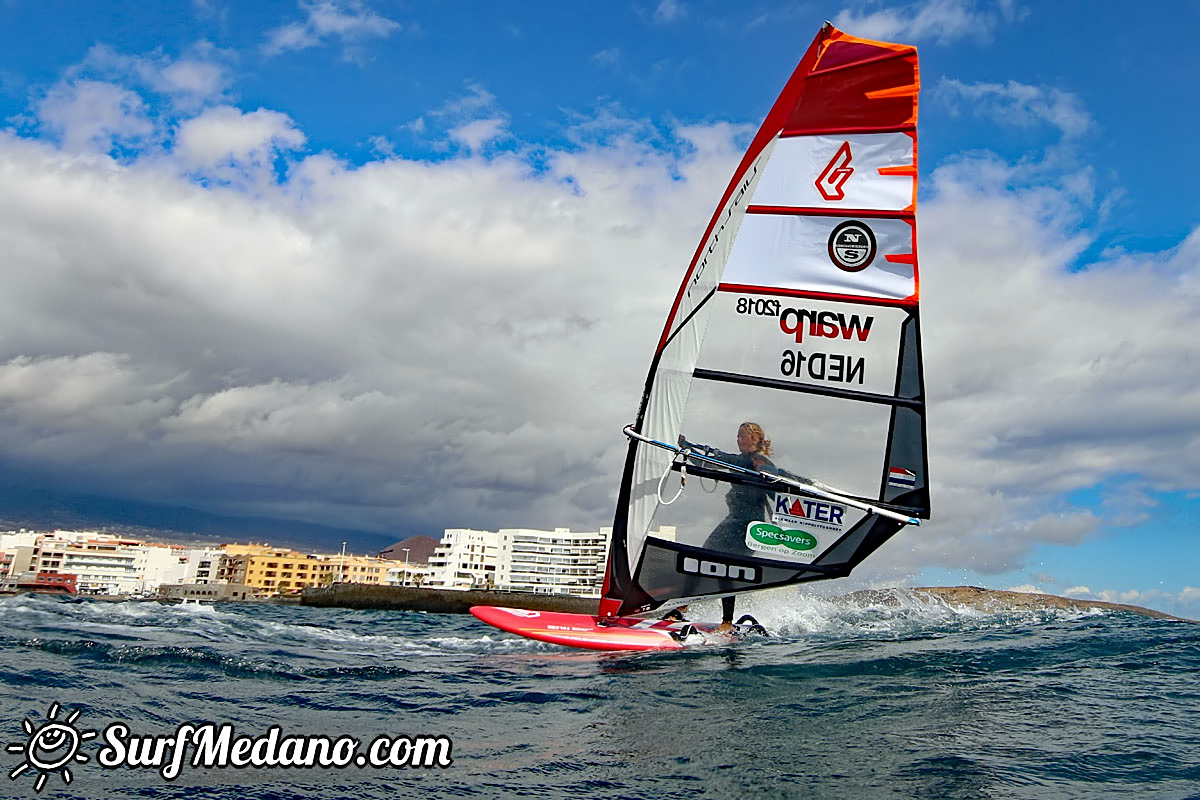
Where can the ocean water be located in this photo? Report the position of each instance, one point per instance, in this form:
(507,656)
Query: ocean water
(907,700)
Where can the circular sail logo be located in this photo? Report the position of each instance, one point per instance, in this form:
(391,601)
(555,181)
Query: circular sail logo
(852,246)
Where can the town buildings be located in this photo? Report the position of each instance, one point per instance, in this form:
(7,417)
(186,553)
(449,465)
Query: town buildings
(558,561)
(105,564)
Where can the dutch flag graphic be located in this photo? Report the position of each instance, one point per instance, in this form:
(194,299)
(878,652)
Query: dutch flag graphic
(902,478)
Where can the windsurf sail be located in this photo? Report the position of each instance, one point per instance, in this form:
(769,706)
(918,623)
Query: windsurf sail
(798,312)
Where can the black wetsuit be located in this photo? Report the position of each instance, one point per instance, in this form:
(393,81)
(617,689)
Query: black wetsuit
(746,504)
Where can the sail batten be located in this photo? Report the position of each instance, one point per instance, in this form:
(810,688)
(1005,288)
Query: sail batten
(828,212)
(799,313)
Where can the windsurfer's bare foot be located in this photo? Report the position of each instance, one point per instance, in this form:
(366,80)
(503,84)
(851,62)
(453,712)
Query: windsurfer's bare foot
(725,627)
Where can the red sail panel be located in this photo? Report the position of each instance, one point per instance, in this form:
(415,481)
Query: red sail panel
(858,86)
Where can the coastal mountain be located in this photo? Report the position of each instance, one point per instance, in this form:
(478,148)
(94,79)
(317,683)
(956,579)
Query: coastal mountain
(39,510)
(419,548)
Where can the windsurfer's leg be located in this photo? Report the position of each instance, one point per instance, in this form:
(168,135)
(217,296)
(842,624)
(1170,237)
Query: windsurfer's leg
(727,604)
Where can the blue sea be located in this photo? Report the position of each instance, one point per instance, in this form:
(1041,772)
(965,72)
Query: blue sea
(907,699)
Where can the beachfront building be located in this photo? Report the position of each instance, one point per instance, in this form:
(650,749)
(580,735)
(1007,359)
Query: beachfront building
(465,559)
(271,571)
(362,569)
(102,563)
(409,573)
(16,556)
(201,565)
(559,561)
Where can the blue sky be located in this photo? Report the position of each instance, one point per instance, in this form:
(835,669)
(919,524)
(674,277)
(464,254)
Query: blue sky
(398,266)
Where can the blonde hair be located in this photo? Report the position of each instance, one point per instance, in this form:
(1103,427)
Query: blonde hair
(764,444)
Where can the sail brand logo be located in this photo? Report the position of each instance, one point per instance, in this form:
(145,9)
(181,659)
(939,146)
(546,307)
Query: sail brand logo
(852,246)
(832,180)
(689,565)
(825,324)
(768,534)
(804,508)
(719,229)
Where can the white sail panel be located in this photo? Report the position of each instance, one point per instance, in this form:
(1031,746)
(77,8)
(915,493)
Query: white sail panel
(798,252)
(840,443)
(709,262)
(799,341)
(671,383)
(865,171)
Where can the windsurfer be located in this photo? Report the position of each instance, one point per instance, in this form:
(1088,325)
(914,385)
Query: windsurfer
(746,503)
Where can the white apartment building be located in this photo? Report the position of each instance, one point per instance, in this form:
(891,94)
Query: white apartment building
(102,563)
(172,564)
(560,561)
(106,564)
(11,540)
(408,574)
(201,565)
(465,559)
(17,549)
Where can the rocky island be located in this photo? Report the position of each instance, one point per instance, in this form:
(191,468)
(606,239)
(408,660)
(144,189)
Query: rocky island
(997,600)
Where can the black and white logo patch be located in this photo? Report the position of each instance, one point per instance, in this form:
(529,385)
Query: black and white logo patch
(852,246)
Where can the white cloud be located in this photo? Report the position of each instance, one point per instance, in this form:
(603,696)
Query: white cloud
(470,121)
(117,104)
(944,21)
(347,22)
(1187,603)
(224,142)
(93,117)
(669,11)
(1018,105)
(203,79)
(398,344)
(199,76)
(87,393)
(475,134)
(609,57)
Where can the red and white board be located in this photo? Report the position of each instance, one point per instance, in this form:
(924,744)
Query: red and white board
(589,632)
